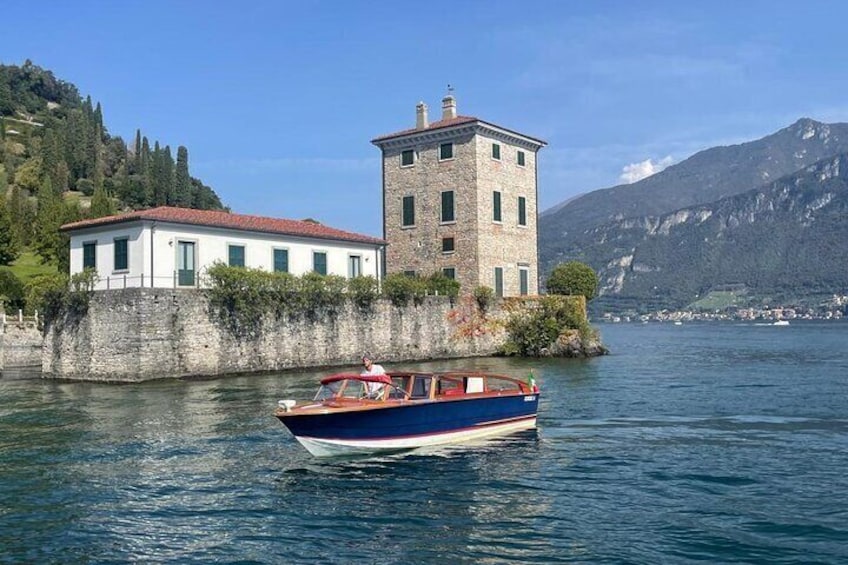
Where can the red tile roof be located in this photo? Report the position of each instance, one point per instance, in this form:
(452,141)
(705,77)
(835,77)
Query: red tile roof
(459,120)
(219,219)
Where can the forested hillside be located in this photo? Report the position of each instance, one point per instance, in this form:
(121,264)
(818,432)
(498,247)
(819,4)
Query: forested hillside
(58,163)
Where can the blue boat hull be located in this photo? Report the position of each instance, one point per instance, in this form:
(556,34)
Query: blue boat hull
(411,424)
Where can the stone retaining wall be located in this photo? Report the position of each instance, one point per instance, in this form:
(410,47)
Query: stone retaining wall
(140,334)
(20,345)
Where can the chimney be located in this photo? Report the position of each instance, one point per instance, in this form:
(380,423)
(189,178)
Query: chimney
(448,107)
(421,116)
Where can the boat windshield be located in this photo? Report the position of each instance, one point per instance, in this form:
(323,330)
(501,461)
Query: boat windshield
(347,388)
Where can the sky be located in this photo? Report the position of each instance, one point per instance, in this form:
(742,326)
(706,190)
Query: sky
(277,101)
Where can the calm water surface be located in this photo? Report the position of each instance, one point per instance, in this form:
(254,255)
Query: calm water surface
(695,443)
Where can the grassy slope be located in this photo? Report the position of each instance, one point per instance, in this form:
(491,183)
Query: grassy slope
(29,265)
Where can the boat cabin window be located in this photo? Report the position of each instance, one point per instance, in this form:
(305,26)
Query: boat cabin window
(421,386)
(401,388)
(502,384)
(449,386)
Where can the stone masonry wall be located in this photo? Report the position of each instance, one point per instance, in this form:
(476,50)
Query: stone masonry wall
(140,334)
(419,248)
(20,345)
(506,244)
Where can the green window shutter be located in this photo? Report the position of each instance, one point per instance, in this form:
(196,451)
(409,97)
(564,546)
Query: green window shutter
(236,256)
(281,260)
(523,281)
(521,158)
(446,151)
(449,272)
(319,262)
(121,254)
(447,206)
(89,255)
(496,206)
(522,211)
(408,211)
(448,244)
(407,158)
(499,291)
(496,151)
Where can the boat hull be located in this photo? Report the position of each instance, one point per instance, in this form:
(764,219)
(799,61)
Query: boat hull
(411,424)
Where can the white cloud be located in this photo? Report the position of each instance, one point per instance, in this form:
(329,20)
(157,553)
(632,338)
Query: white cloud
(637,171)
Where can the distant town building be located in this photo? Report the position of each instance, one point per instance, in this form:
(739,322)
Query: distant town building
(460,197)
(170,247)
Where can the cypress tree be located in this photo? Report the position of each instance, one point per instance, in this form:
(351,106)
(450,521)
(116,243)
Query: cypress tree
(168,176)
(10,246)
(136,168)
(48,240)
(182,180)
(101,204)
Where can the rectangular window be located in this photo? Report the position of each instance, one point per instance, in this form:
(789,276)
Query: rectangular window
(185,263)
(520,158)
(523,281)
(447,206)
(445,151)
(319,262)
(235,255)
(281,260)
(499,282)
(89,255)
(408,211)
(496,206)
(449,272)
(122,260)
(407,158)
(447,245)
(496,151)
(410,274)
(354,266)
(522,211)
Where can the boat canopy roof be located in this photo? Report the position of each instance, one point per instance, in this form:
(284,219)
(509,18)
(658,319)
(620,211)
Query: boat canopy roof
(385,379)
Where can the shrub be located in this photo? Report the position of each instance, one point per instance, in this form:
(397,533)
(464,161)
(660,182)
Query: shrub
(532,329)
(363,291)
(438,283)
(55,294)
(484,296)
(86,186)
(400,289)
(11,291)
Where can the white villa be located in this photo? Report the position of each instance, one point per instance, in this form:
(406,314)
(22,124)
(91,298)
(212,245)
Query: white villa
(170,247)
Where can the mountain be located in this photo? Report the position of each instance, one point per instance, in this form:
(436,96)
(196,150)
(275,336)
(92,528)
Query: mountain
(655,243)
(704,177)
(783,240)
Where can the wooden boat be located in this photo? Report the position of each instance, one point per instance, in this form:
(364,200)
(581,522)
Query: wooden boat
(360,414)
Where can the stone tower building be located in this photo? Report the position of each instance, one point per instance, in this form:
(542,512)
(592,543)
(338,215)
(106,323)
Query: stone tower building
(460,196)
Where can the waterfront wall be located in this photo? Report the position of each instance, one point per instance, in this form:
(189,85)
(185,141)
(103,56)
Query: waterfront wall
(140,334)
(20,345)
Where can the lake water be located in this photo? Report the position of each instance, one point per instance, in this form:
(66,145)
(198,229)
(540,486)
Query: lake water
(694,443)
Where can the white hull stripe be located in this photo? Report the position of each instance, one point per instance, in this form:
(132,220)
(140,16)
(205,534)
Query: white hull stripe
(320,447)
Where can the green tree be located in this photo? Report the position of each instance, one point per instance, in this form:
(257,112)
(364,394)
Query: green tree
(101,204)
(28,175)
(182,180)
(11,291)
(48,220)
(10,246)
(574,278)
